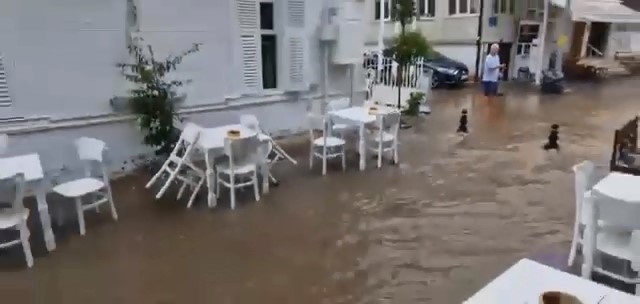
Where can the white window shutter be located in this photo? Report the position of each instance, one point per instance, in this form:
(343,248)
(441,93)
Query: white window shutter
(5,98)
(248,18)
(295,46)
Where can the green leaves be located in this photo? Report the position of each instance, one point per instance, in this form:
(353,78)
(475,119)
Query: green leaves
(151,99)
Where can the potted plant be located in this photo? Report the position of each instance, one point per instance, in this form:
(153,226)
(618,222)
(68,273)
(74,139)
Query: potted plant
(153,98)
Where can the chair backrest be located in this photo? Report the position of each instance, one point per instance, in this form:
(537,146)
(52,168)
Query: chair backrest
(242,150)
(90,149)
(582,175)
(4,143)
(250,121)
(190,133)
(389,122)
(16,185)
(338,104)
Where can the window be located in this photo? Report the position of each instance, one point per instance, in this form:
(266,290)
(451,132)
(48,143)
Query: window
(269,46)
(503,6)
(463,7)
(426,8)
(5,98)
(387,10)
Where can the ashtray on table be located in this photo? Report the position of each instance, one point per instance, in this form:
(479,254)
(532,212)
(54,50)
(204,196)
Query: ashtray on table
(233,134)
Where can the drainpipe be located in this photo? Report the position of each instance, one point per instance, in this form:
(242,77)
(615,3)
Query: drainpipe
(541,41)
(380,37)
(479,40)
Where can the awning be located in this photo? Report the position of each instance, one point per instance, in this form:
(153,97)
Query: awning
(610,11)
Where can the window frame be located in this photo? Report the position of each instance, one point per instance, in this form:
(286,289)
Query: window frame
(269,32)
(503,7)
(427,9)
(386,13)
(469,4)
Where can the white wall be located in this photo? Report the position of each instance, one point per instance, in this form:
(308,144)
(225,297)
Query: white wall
(61,55)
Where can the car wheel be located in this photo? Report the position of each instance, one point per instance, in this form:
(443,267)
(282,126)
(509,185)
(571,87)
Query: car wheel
(435,82)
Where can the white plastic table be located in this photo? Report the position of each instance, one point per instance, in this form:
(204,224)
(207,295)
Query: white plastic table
(211,142)
(620,186)
(525,281)
(30,166)
(359,116)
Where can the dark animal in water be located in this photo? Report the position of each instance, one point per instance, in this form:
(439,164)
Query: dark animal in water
(462,127)
(552,140)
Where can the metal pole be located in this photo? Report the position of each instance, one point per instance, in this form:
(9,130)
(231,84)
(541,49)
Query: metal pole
(541,41)
(479,41)
(380,38)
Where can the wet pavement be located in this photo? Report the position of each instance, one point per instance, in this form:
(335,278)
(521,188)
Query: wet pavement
(436,228)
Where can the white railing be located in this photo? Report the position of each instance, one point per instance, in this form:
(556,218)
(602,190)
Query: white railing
(387,73)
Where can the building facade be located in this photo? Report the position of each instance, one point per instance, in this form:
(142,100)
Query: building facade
(58,67)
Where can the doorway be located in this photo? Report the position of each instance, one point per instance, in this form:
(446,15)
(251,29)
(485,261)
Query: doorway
(598,36)
(505,57)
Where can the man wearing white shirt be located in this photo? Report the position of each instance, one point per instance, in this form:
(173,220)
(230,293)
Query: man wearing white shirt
(491,72)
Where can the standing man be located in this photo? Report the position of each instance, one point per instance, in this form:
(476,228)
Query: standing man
(491,72)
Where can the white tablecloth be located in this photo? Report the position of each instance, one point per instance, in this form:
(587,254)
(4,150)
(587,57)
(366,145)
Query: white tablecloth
(619,186)
(30,166)
(525,281)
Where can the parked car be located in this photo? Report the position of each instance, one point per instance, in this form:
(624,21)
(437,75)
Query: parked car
(446,71)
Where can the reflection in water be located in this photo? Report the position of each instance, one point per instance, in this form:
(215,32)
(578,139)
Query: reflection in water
(434,229)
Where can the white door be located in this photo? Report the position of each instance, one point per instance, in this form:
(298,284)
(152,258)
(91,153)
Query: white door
(522,58)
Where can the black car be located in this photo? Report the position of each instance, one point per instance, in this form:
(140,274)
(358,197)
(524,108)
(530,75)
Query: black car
(446,71)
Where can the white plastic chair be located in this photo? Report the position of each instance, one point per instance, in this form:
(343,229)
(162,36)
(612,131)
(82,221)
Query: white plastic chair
(384,138)
(274,153)
(585,177)
(16,217)
(243,162)
(180,166)
(91,151)
(622,243)
(4,143)
(325,146)
(335,105)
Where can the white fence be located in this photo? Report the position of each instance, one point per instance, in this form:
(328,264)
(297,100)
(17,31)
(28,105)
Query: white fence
(410,77)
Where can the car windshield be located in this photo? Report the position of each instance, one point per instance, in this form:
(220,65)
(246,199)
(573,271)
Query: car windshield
(434,55)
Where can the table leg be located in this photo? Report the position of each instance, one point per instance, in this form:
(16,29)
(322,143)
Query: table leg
(45,218)
(362,148)
(211,197)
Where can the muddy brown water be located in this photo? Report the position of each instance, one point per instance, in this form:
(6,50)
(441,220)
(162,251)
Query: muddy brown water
(434,229)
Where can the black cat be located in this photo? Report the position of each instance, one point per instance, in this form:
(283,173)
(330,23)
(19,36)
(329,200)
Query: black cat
(462,128)
(552,140)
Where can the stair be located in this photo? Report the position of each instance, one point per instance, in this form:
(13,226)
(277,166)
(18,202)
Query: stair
(604,67)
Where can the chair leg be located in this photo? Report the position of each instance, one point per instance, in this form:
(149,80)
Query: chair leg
(380,155)
(166,185)
(218,185)
(24,239)
(574,244)
(195,192)
(181,191)
(311,156)
(344,159)
(112,205)
(256,189)
(324,166)
(155,177)
(80,214)
(638,290)
(232,188)
(395,152)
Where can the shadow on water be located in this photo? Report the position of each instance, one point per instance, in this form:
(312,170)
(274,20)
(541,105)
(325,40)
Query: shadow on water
(434,229)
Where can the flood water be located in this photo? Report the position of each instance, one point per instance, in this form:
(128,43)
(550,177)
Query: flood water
(434,229)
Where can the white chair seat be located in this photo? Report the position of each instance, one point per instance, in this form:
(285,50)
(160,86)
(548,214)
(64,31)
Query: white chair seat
(331,141)
(238,168)
(79,187)
(616,243)
(9,218)
(386,137)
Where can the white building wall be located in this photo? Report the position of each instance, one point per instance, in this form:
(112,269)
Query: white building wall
(60,58)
